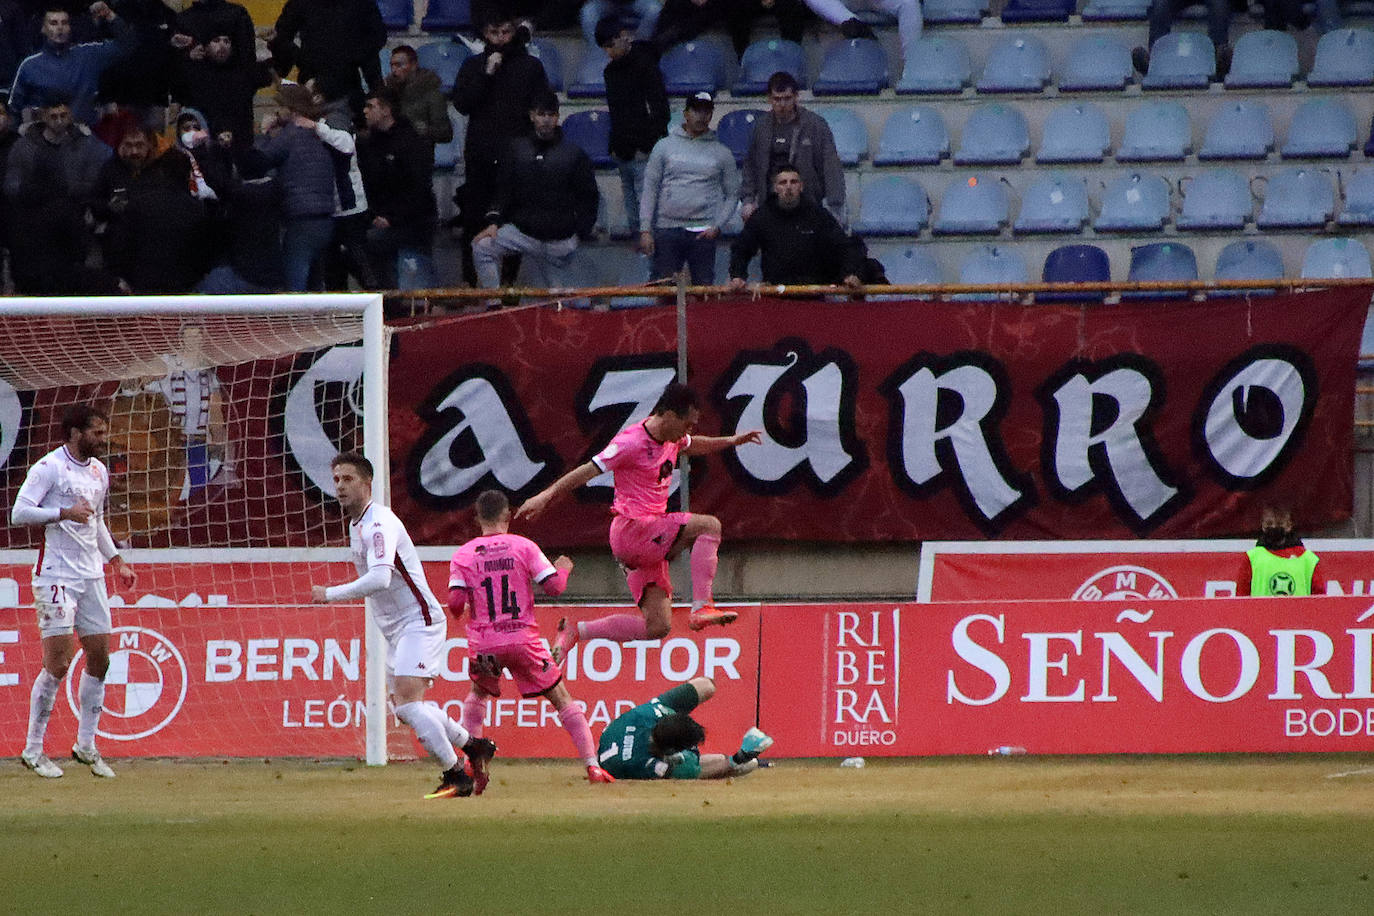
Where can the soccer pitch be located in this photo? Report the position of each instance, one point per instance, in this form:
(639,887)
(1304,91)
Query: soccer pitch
(1239,834)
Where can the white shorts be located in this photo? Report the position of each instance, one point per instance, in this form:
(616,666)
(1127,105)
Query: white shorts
(65,605)
(416,650)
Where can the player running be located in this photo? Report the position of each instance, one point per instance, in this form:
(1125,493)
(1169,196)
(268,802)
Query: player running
(644,534)
(65,493)
(492,577)
(410,618)
(659,740)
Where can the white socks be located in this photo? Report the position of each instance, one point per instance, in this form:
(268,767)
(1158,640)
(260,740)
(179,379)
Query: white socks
(457,734)
(428,724)
(91,696)
(41,700)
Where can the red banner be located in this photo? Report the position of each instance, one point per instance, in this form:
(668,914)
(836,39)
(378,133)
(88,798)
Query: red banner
(1061,677)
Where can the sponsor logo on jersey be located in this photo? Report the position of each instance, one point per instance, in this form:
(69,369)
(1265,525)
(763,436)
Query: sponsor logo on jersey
(1124,583)
(144,688)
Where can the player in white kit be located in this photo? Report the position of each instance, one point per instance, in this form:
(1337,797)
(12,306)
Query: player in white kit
(65,492)
(409,616)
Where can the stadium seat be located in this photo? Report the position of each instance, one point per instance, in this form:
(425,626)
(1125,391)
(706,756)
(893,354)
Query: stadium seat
(1249,259)
(591,130)
(913,136)
(1053,203)
(1156,132)
(1161,262)
(1075,264)
(1297,198)
(1137,202)
(1263,60)
(1016,63)
(973,206)
(1181,60)
(1076,132)
(939,64)
(1110,10)
(448,155)
(445,58)
(1096,63)
(1037,10)
(851,134)
(446,16)
(1334,259)
(765,57)
(547,54)
(396,14)
(950,11)
(1345,57)
(1359,199)
(590,81)
(892,205)
(1239,130)
(993,134)
(908,265)
(853,66)
(691,67)
(1321,128)
(1216,199)
(992,264)
(736,128)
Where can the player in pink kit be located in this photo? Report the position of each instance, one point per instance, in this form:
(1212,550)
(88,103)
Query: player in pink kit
(644,534)
(493,578)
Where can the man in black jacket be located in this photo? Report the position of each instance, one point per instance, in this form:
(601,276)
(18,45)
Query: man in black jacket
(397,165)
(546,198)
(800,242)
(638,105)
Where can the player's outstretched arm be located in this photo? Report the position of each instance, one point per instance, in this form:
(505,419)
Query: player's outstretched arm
(707,445)
(555,491)
(371,582)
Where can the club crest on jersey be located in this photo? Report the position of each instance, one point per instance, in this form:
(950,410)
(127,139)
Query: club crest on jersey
(1125,583)
(144,687)
(378,545)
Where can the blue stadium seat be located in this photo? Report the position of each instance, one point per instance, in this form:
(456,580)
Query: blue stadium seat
(384,58)
(446,16)
(445,58)
(765,57)
(1113,10)
(1054,203)
(1076,132)
(994,134)
(590,82)
(1249,259)
(913,136)
(448,155)
(954,10)
(1216,199)
(1075,264)
(691,67)
(973,206)
(547,54)
(1138,202)
(1333,259)
(1239,130)
(1096,63)
(1161,262)
(992,264)
(396,14)
(736,128)
(851,134)
(1037,10)
(853,66)
(1359,199)
(1345,57)
(892,205)
(1181,60)
(1321,128)
(1016,63)
(1297,198)
(908,265)
(940,63)
(591,130)
(1156,132)
(1263,60)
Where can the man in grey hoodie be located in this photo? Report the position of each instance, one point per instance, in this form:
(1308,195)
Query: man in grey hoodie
(690,188)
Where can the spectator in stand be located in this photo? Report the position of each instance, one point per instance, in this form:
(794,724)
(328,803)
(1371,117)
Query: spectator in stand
(640,15)
(420,96)
(496,90)
(1278,564)
(683,20)
(203,20)
(252,249)
(339,40)
(50,177)
(638,105)
(397,166)
(143,77)
(290,142)
(690,186)
(8,137)
(841,13)
(347,252)
(15,41)
(799,242)
(212,78)
(546,199)
(791,135)
(72,70)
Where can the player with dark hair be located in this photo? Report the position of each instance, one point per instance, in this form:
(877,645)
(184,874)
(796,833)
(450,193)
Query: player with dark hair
(491,577)
(1279,564)
(644,534)
(671,750)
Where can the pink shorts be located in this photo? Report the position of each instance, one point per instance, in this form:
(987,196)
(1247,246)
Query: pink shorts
(642,546)
(529,664)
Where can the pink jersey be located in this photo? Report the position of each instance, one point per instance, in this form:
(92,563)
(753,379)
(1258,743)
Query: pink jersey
(643,469)
(499,572)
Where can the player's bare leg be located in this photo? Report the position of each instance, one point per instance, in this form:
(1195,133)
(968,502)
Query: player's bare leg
(57,657)
(574,720)
(701,535)
(91,699)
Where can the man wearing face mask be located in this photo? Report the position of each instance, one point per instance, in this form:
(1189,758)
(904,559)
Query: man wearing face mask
(1278,565)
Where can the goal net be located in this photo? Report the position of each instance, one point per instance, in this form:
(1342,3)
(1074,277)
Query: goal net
(224,415)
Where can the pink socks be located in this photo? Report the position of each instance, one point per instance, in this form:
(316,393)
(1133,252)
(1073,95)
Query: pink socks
(704,560)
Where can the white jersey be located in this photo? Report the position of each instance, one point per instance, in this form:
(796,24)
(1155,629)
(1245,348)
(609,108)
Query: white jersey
(379,539)
(70,550)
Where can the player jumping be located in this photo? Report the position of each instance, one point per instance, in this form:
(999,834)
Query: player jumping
(644,534)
